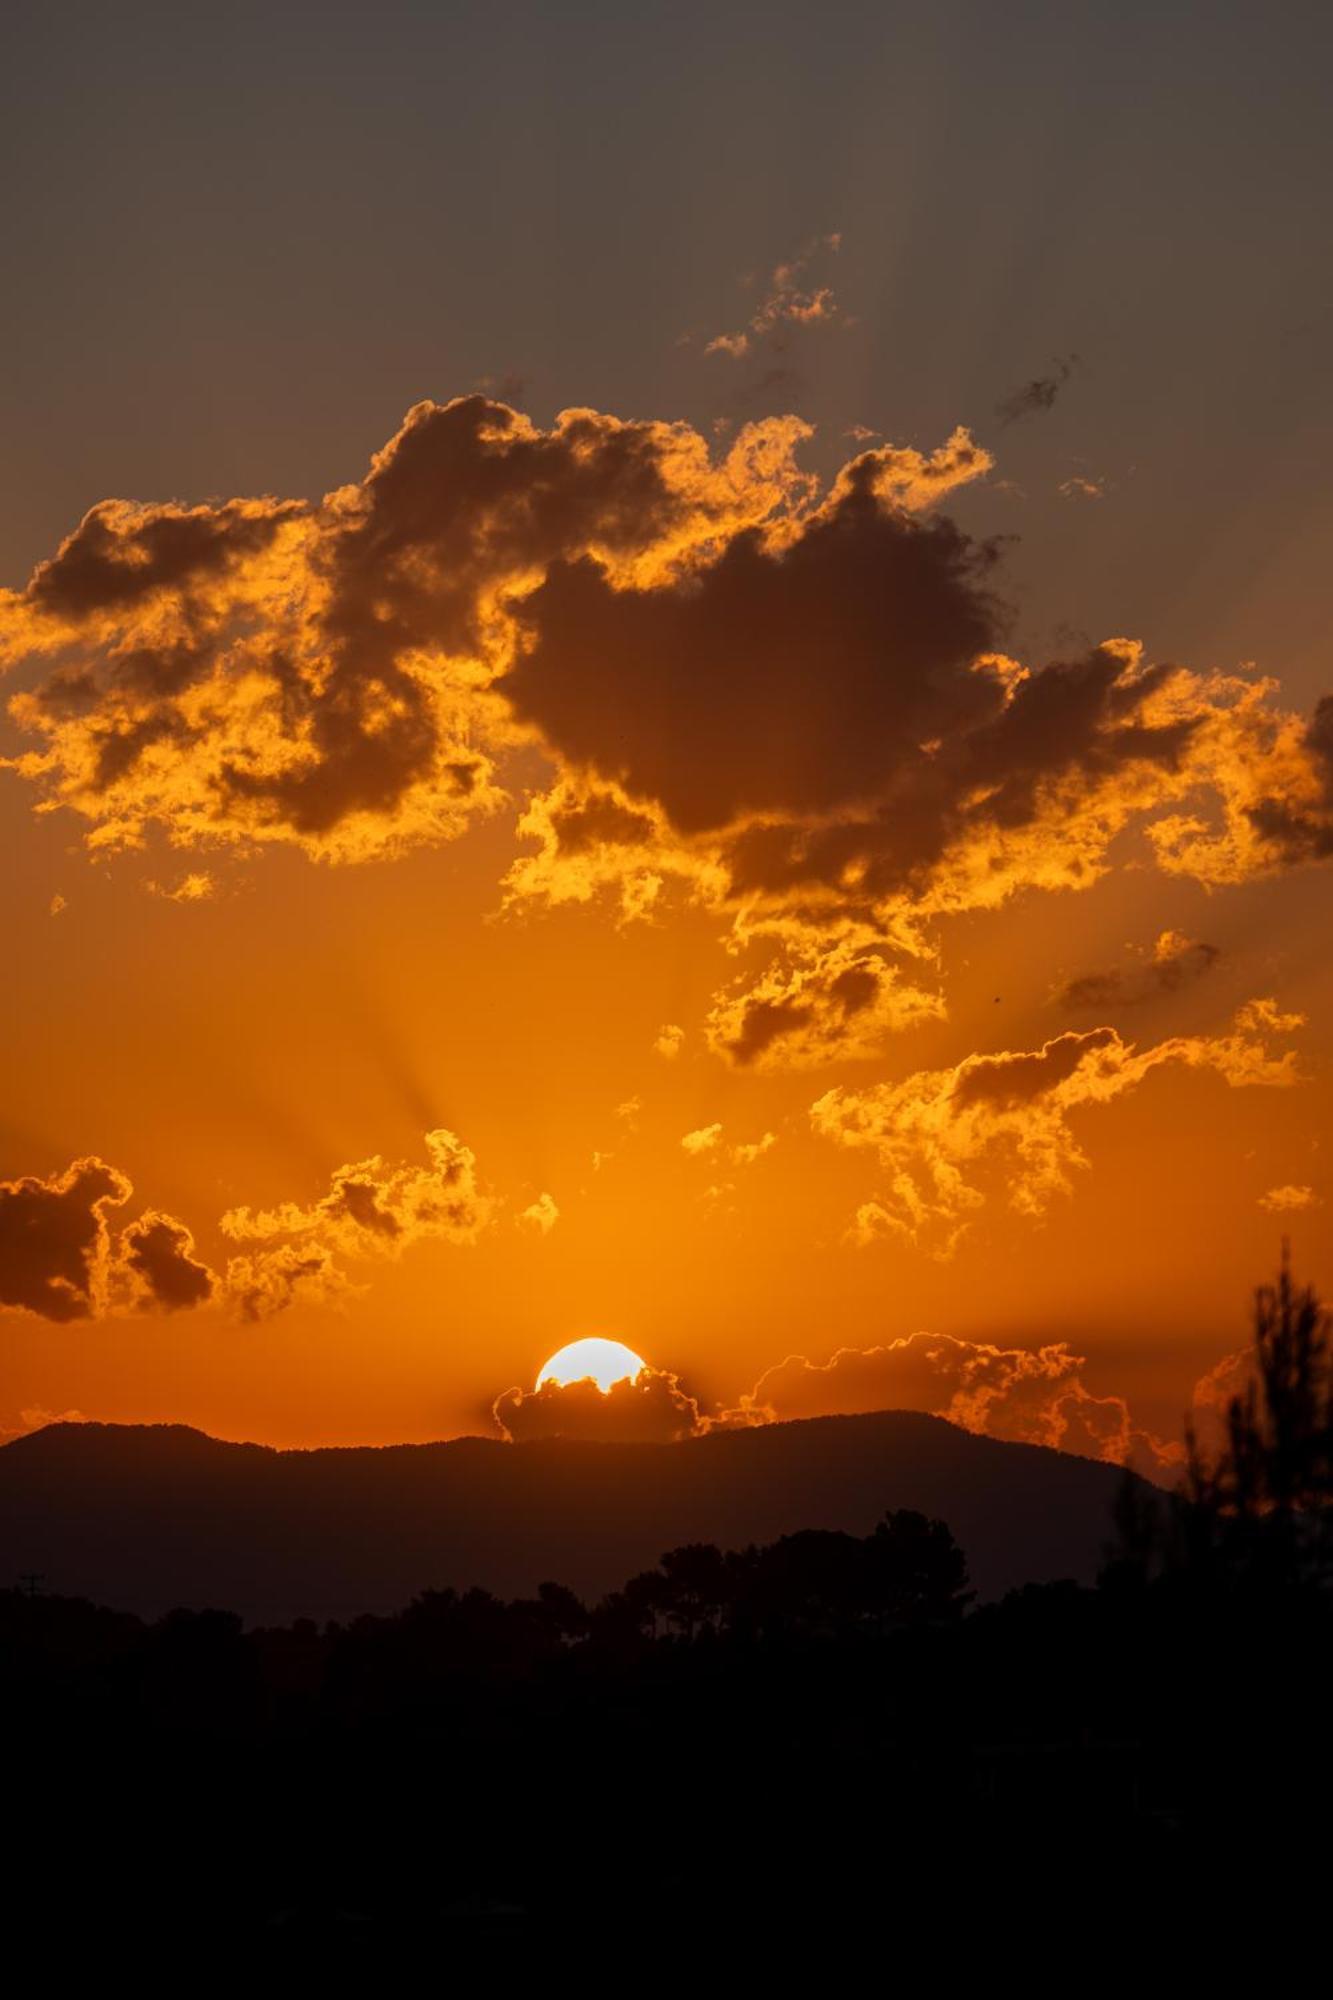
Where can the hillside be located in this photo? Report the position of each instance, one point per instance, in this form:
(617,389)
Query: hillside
(147,1517)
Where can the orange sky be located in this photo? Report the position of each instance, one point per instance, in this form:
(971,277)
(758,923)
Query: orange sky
(806,831)
(791,969)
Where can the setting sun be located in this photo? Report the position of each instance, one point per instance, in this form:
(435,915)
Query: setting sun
(604,1362)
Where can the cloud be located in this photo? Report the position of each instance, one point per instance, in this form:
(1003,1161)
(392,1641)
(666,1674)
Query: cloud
(783,678)
(61,1259)
(649,1408)
(541,1215)
(157,1255)
(815,1007)
(264,670)
(669,1041)
(785,705)
(55,1239)
(372,1209)
(1030,1395)
(36,1419)
(264,1282)
(1038,395)
(196,887)
(1079,488)
(810,732)
(1173,962)
(935,1132)
(744,1153)
(592,843)
(792,300)
(1289,1200)
(1298,823)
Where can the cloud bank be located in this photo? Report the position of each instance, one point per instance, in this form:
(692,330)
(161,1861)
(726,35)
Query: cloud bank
(61,1258)
(1025,1395)
(790,705)
(937,1132)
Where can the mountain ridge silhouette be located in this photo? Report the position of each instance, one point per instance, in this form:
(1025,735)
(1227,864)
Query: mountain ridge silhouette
(148,1517)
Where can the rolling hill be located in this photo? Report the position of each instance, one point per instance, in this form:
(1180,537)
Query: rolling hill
(147,1517)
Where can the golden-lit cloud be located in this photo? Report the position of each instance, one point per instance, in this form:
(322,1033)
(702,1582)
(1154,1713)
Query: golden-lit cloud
(708,1140)
(792,299)
(817,1006)
(264,670)
(196,887)
(934,1134)
(1290,1199)
(35,1418)
(1028,1395)
(592,842)
(784,706)
(261,1283)
(61,1257)
(541,1216)
(650,1407)
(372,1209)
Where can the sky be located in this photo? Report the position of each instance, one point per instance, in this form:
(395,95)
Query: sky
(661,678)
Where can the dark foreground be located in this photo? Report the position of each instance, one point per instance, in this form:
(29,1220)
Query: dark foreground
(818,1752)
(820,1763)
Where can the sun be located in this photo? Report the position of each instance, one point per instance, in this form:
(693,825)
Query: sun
(604,1362)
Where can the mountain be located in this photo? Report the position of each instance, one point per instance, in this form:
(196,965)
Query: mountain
(143,1518)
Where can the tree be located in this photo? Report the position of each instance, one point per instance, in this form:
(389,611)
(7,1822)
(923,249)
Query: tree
(920,1571)
(1259,1509)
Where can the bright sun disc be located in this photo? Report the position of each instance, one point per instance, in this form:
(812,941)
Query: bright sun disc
(601,1361)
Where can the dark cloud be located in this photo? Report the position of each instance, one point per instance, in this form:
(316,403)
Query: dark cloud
(985,775)
(790,679)
(158,1252)
(60,1259)
(787,708)
(599,820)
(467,497)
(265,669)
(121,554)
(1174,962)
(1006,1080)
(650,1408)
(54,1239)
(1037,395)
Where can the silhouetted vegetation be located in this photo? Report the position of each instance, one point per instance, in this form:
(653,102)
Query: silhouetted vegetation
(820,1736)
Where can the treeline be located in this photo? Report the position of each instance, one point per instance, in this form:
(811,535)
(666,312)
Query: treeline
(830,1712)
